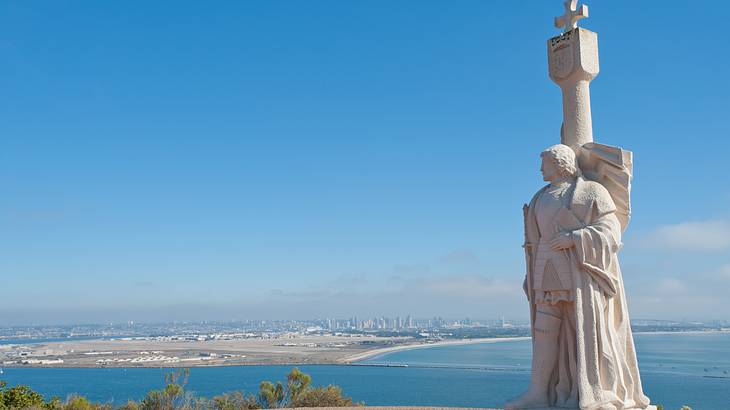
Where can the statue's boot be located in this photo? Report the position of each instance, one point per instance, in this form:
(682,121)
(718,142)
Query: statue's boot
(544,357)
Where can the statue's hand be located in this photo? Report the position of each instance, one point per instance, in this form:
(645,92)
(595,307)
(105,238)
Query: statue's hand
(562,241)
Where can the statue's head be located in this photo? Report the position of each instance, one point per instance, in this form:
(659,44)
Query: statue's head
(558,162)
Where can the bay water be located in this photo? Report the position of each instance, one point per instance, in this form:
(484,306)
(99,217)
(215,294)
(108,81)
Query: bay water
(677,369)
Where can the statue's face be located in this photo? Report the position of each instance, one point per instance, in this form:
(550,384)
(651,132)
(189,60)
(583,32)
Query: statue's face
(549,170)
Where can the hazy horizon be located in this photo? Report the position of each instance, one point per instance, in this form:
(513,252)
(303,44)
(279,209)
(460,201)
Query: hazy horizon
(233,320)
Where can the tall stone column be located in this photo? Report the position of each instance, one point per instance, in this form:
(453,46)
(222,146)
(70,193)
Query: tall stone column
(573,63)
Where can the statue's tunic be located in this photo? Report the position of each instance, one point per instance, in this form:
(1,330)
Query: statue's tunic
(552,279)
(596,366)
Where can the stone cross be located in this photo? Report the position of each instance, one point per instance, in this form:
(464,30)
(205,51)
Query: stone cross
(569,20)
(573,63)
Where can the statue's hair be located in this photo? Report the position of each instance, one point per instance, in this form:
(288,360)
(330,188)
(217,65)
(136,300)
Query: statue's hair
(564,158)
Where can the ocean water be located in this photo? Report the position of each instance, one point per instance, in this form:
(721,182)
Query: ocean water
(677,369)
(20,341)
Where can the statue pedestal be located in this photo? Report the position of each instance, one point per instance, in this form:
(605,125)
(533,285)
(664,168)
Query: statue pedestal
(650,407)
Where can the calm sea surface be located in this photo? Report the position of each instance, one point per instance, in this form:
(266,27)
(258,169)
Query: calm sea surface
(677,369)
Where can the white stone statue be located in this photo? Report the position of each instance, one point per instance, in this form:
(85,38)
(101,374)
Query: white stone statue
(583,350)
(583,353)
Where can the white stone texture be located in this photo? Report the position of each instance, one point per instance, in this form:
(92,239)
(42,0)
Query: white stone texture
(583,349)
(573,13)
(583,353)
(573,64)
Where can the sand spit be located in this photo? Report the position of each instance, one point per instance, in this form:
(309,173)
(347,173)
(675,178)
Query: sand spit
(377,352)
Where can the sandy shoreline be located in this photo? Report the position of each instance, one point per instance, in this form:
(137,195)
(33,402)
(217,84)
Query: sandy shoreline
(377,352)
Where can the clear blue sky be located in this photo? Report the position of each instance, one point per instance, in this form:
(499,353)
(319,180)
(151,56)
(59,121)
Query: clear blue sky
(289,159)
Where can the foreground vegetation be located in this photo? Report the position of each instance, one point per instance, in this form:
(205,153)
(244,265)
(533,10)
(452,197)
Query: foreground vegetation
(295,392)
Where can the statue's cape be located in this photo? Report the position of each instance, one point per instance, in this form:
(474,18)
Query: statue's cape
(613,168)
(597,364)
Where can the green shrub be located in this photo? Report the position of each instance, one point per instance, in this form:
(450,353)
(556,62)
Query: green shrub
(234,401)
(297,383)
(330,396)
(172,396)
(19,397)
(76,402)
(297,392)
(129,405)
(271,396)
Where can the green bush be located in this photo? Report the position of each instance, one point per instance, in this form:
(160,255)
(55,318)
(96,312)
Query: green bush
(19,397)
(271,396)
(297,392)
(172,396)
(76,402)
(234,401)
(330,396)
(129,405)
